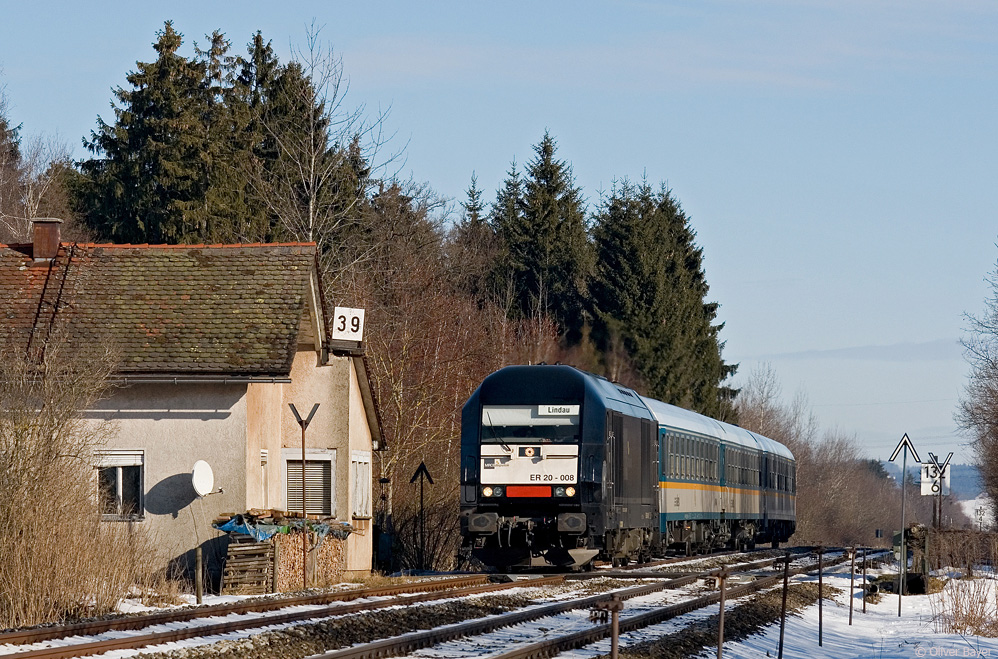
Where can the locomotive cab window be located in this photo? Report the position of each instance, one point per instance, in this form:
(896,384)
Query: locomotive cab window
(512,424)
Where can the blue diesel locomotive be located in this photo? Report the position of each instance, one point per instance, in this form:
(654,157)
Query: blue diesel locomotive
(560,467)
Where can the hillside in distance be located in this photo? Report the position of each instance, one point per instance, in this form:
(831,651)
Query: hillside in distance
(965,480)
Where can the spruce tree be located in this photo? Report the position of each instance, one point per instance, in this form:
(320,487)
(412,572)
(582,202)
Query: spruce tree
(150,181)
(225,215)
(256,151)
(541,224)
(648,293)
(471,249)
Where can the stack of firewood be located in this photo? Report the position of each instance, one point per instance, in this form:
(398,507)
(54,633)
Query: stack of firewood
(283,559)
(325,561)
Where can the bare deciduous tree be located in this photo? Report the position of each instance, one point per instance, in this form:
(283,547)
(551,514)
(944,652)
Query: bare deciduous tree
(977,414)
(325,154)
(31,179)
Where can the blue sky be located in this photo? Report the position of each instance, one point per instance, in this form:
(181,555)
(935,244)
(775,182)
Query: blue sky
(838,159)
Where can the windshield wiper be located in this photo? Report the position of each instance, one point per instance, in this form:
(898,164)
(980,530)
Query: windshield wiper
(503,444)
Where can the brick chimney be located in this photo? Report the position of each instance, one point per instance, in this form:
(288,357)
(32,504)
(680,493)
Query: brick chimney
(45,244)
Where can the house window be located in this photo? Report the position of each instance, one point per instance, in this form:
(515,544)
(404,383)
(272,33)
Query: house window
(320,465)
(119,484)
(360,473)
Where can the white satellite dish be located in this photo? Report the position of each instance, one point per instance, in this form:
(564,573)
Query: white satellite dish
(202,478)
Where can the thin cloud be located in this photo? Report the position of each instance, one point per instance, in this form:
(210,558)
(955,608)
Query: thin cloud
(813,46)
(940,350)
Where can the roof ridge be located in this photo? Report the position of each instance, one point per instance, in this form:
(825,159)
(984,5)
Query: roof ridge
(187,246)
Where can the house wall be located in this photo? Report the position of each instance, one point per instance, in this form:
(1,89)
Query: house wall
(339,424)
(264,481)
(360,545)
(176,425)
(227,426)
(311,384)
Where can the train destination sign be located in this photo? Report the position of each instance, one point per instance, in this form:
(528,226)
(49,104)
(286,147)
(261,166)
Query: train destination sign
(558,410)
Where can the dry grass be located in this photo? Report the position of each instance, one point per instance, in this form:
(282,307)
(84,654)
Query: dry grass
(967,606)
(60,562)
(377,580)
(161,589)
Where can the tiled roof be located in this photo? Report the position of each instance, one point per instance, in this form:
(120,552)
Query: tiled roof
(232,310)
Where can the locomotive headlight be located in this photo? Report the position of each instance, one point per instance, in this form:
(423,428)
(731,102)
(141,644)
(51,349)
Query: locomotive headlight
(569,491)
(497,491)
(487,491)
(559,491)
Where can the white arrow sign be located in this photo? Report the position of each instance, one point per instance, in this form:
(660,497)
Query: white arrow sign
(911,447)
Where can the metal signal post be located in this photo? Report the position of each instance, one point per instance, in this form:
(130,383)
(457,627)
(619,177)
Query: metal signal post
(904,446)
(422,473)
(304,512)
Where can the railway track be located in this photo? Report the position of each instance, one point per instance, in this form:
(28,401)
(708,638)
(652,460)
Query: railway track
(410,643)
(320,605)
(262,614)
(652,571)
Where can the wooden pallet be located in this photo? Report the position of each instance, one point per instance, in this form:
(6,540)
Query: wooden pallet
(249,568)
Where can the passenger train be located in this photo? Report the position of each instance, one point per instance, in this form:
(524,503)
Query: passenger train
(560,467)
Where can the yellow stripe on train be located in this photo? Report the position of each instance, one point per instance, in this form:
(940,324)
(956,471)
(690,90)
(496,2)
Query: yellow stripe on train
(723,489)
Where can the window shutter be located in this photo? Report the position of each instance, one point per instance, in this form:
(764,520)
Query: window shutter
(318,486)
(119,458)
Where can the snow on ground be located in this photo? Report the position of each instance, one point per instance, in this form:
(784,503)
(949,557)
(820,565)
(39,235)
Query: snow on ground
(878,633)
(971,506)
(508,638)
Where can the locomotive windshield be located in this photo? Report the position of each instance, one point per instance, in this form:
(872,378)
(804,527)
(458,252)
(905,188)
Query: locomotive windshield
(512,424)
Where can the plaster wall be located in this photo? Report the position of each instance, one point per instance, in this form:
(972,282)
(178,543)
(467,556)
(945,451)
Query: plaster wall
(311,384)
(176,425)
(339,424)
(360,546)
(264,403)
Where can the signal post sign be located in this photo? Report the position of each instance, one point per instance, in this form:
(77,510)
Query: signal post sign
(935,476)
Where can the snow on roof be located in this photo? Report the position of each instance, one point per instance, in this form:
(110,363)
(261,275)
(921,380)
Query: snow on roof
(678,418)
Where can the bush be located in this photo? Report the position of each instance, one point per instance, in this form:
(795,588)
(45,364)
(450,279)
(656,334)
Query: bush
(55,549)
(967,606)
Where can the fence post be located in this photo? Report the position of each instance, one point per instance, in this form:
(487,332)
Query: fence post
(783,609)
(821,593)
(865,582)
(720,623)
(852,580)
(615,628)
(198,575)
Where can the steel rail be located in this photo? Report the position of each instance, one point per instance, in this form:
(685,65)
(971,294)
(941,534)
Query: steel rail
(38,634)
(391,647)
(683,579)
(579,639)
(134,642)
(673,559)
(417,640)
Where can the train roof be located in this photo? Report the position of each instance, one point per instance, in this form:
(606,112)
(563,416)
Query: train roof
(678,418)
